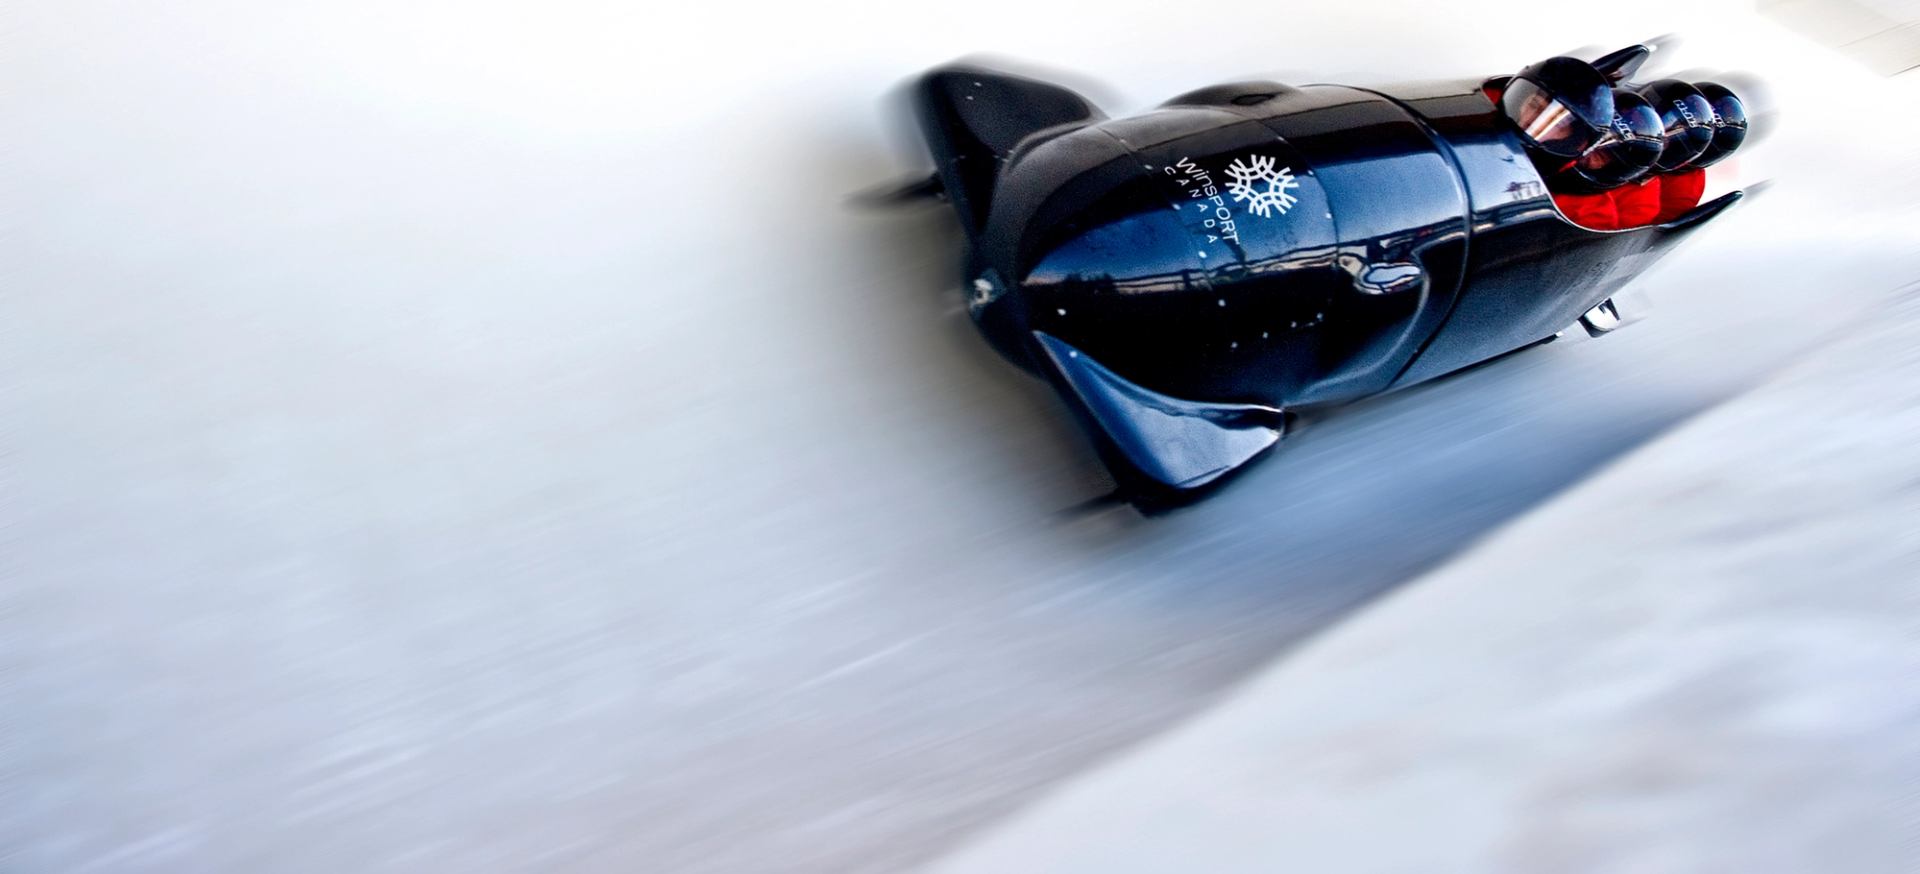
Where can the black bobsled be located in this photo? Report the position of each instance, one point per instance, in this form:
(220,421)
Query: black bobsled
(1190,277)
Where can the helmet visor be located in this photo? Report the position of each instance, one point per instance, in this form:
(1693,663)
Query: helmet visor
(1545,122)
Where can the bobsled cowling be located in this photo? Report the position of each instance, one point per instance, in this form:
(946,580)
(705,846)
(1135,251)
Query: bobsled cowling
(1190,276)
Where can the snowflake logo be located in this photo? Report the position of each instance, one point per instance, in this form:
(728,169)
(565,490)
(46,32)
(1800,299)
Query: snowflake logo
(1272,195)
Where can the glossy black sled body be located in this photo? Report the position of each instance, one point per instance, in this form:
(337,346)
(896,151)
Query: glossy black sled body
(1190,276)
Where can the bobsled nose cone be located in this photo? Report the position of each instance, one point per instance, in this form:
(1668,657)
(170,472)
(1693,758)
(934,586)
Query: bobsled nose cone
(1169,443)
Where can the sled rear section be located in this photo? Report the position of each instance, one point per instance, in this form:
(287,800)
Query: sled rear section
(1530,272)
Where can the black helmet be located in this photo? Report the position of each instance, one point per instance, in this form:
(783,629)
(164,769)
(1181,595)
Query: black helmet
(1687,118)
(1562,106)
(1729,122)
(1632,144)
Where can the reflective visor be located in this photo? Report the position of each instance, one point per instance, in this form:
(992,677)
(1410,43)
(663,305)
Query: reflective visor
(1630,147)
(1544,121)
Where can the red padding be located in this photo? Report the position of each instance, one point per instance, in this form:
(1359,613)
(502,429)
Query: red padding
(1589,210)
(1638,203)
(1680,192)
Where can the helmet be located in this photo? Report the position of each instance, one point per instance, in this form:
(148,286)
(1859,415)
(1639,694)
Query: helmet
(1562,106)
(1729,122)
(1687,118)
(1628,150)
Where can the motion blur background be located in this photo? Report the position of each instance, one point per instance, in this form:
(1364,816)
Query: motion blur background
(485,437)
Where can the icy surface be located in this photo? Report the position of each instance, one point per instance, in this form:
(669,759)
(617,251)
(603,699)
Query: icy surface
(481,437)
(1713,664)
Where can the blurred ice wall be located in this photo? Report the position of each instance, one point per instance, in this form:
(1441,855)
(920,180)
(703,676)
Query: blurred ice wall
(1882,34)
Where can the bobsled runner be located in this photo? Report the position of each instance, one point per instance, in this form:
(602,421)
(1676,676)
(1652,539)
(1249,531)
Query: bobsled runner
(1191,278)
